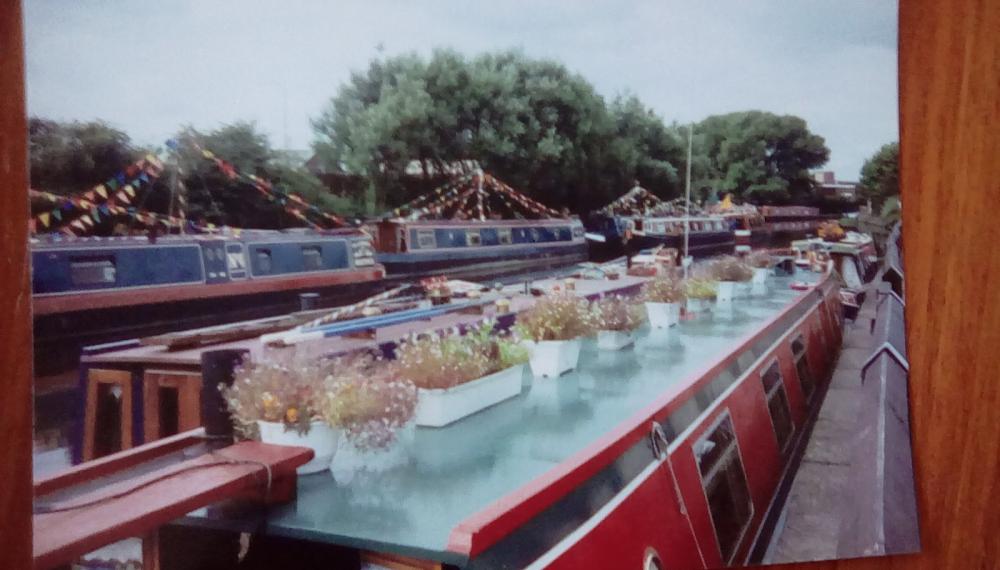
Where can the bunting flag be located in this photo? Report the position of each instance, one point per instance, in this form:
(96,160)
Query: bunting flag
(121,187)
(293,204)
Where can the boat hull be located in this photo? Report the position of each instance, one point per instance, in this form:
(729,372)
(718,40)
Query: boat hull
(481,263)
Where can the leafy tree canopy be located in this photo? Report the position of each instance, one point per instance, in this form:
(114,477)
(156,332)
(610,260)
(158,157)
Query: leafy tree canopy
(757,156)
(531,122)
(67,158)
(880,175)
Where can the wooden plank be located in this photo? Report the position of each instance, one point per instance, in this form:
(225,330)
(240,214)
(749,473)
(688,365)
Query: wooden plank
(15,299)
(117,512)
(120,461)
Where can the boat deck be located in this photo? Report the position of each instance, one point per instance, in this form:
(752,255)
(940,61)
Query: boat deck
(409,500)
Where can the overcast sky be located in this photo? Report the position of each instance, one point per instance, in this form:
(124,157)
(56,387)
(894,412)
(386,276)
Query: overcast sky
(148,67)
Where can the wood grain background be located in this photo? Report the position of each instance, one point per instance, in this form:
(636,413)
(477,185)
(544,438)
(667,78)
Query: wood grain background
(950,142)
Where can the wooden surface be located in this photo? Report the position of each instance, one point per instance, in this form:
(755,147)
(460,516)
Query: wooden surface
(247,469)
(950,93)
(15,300)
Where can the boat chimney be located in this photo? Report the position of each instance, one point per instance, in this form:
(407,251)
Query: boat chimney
(217,367)
(308,301)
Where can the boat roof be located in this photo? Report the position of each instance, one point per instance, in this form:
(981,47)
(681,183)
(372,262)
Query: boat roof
(439,478)
(297,234)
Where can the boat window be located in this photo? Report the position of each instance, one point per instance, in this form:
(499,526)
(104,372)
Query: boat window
(777,405)
(536,236)
(425,239)
(312,258)
(458,238)
(725,484)
(504,236)
(263,261)
(802,366)
(578,231)
(93,271)
(473,237)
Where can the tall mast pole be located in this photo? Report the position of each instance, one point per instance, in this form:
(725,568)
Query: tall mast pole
(687,203)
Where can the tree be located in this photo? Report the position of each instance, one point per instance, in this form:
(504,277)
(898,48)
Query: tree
(68,158)
(758,156)
(531,122)
(880,175)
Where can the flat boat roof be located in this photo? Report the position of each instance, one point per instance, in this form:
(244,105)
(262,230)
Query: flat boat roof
(413,497)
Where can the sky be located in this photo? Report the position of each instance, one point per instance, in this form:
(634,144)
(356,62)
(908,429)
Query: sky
(149,67)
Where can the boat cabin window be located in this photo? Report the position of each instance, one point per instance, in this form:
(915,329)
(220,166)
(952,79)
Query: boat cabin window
(92,271)
(504,236)
(312,258)
(425,239)
(725,484)
(578,231)
(263,261)
(802,366)
(777,405)
(472,237)
(536,236)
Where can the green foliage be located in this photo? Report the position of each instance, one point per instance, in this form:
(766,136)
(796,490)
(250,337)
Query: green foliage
(880,175)
(757,156)
(67,158)
(531,122)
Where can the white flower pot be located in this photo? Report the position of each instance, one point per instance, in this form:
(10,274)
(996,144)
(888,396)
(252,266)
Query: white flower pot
(352,461)
(760,275)
(436,408)
(322,439)
(551,358)
(725,292)
(662,315)
(614,340)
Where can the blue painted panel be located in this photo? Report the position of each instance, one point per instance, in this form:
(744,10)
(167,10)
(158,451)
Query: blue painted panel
(490,236)
(133,267)
(288,257)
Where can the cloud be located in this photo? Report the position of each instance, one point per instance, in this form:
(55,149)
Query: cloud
(150,67)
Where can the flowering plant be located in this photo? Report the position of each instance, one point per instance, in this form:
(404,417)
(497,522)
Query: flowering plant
(436,362)
(663,290)
(364,397)
(759,259)
(729,268)
(699,288)
(615,313)
(558,316)
(274,392)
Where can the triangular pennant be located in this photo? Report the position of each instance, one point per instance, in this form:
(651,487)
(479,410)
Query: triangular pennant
(112,184)
(31,226)
(125,198)
(89,195)
(44,218)
(78,224)
(101,191)
(129,190)
(120,177)
(86,220)
(57,214)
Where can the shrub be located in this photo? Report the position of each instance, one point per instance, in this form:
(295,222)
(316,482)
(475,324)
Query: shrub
(729,268)
(560,316)
(663,290)
(617,314)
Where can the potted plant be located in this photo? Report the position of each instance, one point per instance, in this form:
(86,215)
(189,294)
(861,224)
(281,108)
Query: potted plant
(760,262)
(282,404)
(616,321)
(700,293)
(551,329)
(663,297)
(459,375)
(729,271)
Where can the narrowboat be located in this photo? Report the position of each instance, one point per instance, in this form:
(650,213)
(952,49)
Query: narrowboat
(673,454)
(652,222)
(88,290)
(791,220)
(459,231)
(854,259)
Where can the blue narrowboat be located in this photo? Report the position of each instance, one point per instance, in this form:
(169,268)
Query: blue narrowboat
(470,249)
(100,289)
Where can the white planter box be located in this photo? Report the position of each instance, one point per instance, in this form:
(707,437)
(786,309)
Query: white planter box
(322,439)
(614,340)
(725,292)
(436,408)
(760,275)
(551,358)
(662,315)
